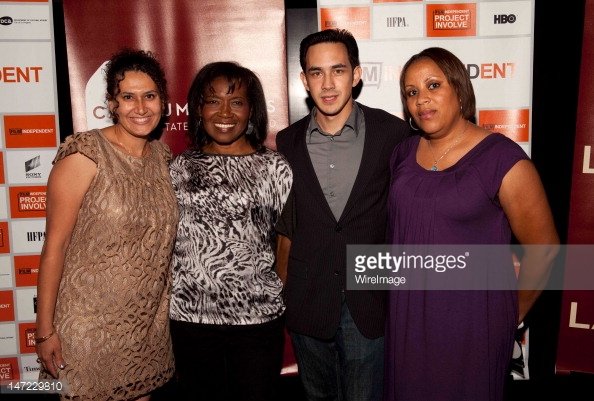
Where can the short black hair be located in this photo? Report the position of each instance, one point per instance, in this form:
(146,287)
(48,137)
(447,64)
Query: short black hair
(330,36)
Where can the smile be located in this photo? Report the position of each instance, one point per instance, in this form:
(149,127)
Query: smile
(141,120)
(224,126)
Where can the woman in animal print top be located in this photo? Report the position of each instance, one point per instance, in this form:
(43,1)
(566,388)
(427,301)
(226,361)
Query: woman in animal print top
(227,308)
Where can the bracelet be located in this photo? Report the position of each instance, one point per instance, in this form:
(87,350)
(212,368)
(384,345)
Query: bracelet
(39,340)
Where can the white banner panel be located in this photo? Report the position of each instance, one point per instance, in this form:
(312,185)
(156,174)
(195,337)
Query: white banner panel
(5,272)
(397,21)
(8,339)
(27,77)
(29,166)
(25,306)
(499,67)
(505,18)
(27,21)
(27,235)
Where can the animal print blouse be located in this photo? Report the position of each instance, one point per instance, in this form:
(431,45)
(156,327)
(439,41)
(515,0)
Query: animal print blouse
(224,257)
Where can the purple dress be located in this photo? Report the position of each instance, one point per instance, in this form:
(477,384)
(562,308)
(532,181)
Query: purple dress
(450,344)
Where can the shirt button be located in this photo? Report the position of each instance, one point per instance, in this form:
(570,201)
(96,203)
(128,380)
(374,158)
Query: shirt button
(338,228)
(336,273)
(332,165)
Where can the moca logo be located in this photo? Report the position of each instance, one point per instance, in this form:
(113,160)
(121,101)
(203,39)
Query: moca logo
(6,21)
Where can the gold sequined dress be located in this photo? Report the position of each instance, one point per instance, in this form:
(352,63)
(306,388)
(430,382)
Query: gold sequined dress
(113,301)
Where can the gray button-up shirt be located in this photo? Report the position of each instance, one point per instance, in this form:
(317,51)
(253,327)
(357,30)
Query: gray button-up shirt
(336,158)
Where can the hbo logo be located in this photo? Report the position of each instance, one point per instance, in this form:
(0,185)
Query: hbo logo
(504,19)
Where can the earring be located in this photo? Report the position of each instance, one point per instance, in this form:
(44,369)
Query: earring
(410,122)
(250,128)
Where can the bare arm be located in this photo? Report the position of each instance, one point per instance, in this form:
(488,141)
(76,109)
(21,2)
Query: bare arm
(68,182)
(284,230)
(525,204)
(283,246)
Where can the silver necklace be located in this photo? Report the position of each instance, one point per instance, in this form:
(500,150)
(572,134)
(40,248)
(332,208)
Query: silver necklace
(435,161)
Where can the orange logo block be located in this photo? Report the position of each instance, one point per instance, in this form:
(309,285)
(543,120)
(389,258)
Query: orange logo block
(26,269)
(33,131)
(354,19)
(4,238)
(9,369)
(515,124)
(27,202)
(27,338)
(6,306)
(449,20)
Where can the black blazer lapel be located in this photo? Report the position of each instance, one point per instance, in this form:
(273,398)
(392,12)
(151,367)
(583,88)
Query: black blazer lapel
(374,144)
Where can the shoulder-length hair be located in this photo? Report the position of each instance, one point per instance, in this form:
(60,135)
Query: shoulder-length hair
(456,74)
(236,76)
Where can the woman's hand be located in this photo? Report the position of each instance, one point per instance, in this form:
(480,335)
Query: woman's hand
(49,354)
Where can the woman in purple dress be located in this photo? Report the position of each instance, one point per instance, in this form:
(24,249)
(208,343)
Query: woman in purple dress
(459,184)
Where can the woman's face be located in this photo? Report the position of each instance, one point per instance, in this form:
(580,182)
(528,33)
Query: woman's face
(431,100)
(139,105)
(225,117)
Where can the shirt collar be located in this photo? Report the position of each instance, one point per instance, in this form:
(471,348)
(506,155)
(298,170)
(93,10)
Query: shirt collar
(353,121)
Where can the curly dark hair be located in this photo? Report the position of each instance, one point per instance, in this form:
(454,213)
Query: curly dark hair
(330,36)
(455,72)
(128,59)
(236,76)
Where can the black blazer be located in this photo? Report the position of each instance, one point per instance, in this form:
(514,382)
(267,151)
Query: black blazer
(316,272)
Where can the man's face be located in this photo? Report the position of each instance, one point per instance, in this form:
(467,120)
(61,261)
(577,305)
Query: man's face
(330,78)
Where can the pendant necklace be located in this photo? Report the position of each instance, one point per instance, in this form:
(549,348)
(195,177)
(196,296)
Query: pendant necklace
(435,161)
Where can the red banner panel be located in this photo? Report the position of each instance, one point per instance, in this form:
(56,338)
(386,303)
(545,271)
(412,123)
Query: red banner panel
(185,35)
(575,350)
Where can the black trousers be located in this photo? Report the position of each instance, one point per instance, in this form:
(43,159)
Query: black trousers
(226,362)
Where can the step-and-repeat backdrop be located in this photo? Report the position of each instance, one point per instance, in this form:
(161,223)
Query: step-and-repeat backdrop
(494,39)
